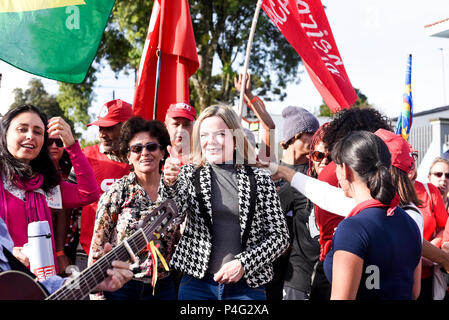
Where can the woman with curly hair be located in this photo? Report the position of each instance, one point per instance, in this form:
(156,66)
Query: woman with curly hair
(130,200)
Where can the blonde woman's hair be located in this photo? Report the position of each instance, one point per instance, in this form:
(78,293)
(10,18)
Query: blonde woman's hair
(244,151)
(437,160)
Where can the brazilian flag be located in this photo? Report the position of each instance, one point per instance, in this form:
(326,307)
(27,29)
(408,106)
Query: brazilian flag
(55,39)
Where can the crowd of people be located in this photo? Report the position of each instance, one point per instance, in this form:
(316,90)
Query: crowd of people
(339,216)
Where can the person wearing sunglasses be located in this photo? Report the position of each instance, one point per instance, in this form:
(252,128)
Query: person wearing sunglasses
(128,201)
(439,177)
(61,217)
(434,218)
(336,201)
(319,157)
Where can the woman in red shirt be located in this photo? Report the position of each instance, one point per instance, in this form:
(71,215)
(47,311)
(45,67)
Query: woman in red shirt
(435,216)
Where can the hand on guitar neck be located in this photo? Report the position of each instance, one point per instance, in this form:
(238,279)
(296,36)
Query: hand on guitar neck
(17,285)
(117,276)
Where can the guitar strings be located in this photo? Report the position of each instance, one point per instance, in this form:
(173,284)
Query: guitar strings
(137,242)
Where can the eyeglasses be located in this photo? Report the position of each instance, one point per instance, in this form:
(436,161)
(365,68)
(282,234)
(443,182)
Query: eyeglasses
(440,174)
(318,156)
(150,146)
(58,142)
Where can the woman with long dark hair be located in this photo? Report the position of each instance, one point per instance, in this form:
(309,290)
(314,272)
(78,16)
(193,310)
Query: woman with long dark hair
(376,250)
(29,177)
(61,217)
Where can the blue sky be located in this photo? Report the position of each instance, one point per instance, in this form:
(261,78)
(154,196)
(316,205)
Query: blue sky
(374,39)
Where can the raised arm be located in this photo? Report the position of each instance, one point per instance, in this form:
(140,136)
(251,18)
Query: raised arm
(86,191)
(257,105)
(322,194)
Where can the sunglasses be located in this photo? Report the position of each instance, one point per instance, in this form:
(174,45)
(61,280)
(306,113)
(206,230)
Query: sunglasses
(440,174)
(58,142)
(318,156)
(150,146)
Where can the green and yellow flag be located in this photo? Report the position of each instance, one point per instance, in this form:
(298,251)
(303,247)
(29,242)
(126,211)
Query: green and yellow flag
(55,39)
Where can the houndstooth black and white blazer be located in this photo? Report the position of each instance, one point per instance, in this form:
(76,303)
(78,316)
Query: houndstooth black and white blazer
(268,236)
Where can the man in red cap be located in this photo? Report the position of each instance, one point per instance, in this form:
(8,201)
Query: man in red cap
(179,122)
(107,165)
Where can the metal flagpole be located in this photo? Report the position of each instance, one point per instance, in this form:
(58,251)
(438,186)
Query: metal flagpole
(159,56)
(248,51)
(156,90)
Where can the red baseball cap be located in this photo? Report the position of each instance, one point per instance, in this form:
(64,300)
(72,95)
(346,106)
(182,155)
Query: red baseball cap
(399,149)
(182,110)
(113,112)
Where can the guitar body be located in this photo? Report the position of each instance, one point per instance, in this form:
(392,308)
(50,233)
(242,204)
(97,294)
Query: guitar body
(16,285)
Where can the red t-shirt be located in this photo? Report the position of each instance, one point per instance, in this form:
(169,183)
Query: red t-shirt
(434,215)
(446,232)
(435,218)
(327,222)
(106,172)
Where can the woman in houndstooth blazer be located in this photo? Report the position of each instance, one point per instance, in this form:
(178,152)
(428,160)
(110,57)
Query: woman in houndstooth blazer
(235,227)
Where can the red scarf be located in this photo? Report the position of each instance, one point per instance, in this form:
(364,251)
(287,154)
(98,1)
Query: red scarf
(376,203)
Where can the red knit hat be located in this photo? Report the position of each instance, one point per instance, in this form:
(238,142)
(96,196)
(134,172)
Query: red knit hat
(399,149)
(113,112)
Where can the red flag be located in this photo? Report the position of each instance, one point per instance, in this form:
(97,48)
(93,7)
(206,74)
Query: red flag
(171,31)
(305,26)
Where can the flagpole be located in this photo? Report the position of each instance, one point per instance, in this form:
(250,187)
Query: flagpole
(156,90)
(248,51)
(159,56)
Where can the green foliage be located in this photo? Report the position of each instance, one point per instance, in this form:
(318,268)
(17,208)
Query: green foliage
(37,95)
(75,99)
(221,32)
(361,102)
(85,143)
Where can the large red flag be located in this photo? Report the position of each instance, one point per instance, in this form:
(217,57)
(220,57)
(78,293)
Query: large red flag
(305,26)
(171,31)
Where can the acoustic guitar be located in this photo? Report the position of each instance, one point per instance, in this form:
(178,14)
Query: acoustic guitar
(16,285)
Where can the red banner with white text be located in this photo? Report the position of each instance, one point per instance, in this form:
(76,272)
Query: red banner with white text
(305,26)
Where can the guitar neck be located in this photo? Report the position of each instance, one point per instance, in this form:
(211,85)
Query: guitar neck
(80,286)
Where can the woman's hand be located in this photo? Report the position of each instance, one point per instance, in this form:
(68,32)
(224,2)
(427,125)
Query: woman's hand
(117,276)
(171,168)
(230,272)
(277,172)
(58,127)
(17,252)
(63,263)
(238,85)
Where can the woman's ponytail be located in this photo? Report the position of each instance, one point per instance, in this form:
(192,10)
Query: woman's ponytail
(369,157)
(380,185)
